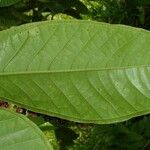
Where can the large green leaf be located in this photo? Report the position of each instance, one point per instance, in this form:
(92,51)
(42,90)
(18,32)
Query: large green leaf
(78,70)
(18,132)
(4,3)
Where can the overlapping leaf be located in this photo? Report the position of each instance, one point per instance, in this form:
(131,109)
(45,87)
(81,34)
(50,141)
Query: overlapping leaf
(77,70)
(18,132)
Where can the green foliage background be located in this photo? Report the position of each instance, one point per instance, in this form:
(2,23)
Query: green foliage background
(130,135)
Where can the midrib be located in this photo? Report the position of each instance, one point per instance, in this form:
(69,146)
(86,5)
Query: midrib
(71,71)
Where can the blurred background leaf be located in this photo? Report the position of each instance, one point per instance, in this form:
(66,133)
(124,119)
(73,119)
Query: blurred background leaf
(130,135)
(4,3)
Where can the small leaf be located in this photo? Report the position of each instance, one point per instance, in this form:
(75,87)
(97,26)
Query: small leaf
(18,132)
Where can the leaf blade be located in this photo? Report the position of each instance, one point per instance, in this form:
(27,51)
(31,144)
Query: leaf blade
(71,68)
(19,132)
